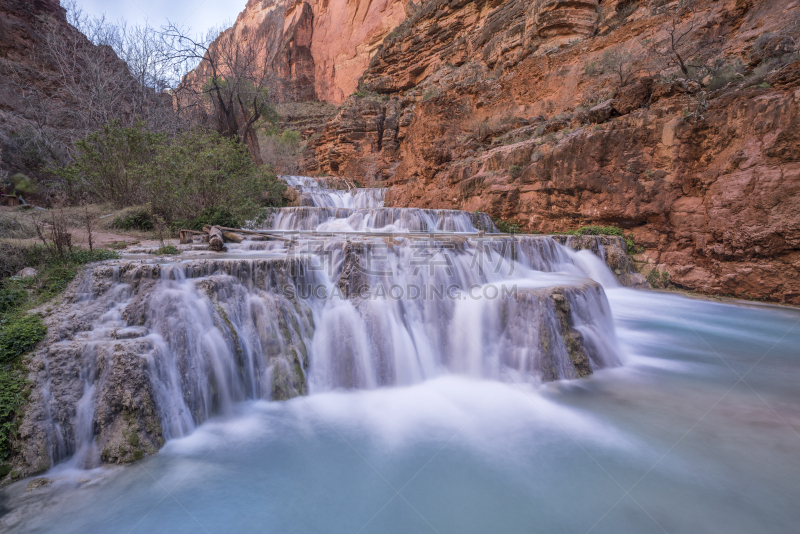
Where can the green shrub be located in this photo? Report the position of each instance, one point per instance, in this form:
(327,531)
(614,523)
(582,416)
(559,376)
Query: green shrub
(515,171)
(167,250)
(113,164)
(725,72)
(202,170)
(599,230)
(140,220)
(11,298)
(18,335)
(507,227)
(12,396)
(431,94)
(209,216)
(178,177)
(630,244)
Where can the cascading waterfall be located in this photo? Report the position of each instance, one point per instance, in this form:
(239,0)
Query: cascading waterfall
(360,210)
(170,345)
(314,193)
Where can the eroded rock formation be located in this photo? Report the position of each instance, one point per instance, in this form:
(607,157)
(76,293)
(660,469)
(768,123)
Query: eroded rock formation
(556,115)
(316,49)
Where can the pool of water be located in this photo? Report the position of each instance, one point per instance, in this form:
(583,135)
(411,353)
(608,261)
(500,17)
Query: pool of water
(698,431)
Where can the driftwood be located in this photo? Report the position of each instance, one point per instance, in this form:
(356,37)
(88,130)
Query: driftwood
(231,236)
(187,236)
(216,236)
(251,232)
(216,241)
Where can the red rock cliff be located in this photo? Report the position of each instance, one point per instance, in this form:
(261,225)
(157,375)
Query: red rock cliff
(554,115)
(318,49)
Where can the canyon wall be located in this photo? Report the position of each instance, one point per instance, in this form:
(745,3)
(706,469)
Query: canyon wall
(316,50)
(554,115)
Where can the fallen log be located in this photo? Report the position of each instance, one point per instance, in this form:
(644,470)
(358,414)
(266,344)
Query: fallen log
(216,241)
(231,236)
(187,236)
(254,232)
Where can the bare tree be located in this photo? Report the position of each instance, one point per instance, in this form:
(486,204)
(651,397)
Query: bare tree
(80,78)
(623,64)
(230,86)
(682,42)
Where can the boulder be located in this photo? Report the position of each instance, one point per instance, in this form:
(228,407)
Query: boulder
(27,272)
(601,112)
(632,96)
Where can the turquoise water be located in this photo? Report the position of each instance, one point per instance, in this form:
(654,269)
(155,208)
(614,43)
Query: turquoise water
(698,431)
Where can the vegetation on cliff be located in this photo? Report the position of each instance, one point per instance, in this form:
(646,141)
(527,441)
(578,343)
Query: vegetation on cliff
(20,328)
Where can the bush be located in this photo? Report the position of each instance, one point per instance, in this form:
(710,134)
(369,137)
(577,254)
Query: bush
(282,151)
(725,72)
(202,170)
(211,217)
(599,230)
(11,298)
(18,335)
(178,177)
(507,227)
(630,244)
(170,250)
(113,164)
(140,220)
(15,227)
(515,171)
(12,386)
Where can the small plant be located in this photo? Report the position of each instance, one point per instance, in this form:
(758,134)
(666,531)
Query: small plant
(431,94)
(12,297)
(506,227)
(18,335)
(211,217)
(630,244)
(593,69)
(515,171)
(764,85)
(139,220)
(167,250)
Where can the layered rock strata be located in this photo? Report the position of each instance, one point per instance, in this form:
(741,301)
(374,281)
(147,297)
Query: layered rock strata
(556,115)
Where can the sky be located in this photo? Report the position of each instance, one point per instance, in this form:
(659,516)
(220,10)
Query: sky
(199,15)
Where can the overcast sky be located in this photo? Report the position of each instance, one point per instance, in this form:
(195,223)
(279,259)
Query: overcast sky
(197,14)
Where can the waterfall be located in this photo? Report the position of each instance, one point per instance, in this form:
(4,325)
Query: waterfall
(314,193)
(331,210)
(158,347)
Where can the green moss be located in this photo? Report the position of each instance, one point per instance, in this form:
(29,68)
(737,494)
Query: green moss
(133,439)
(138,455)
(4,470)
